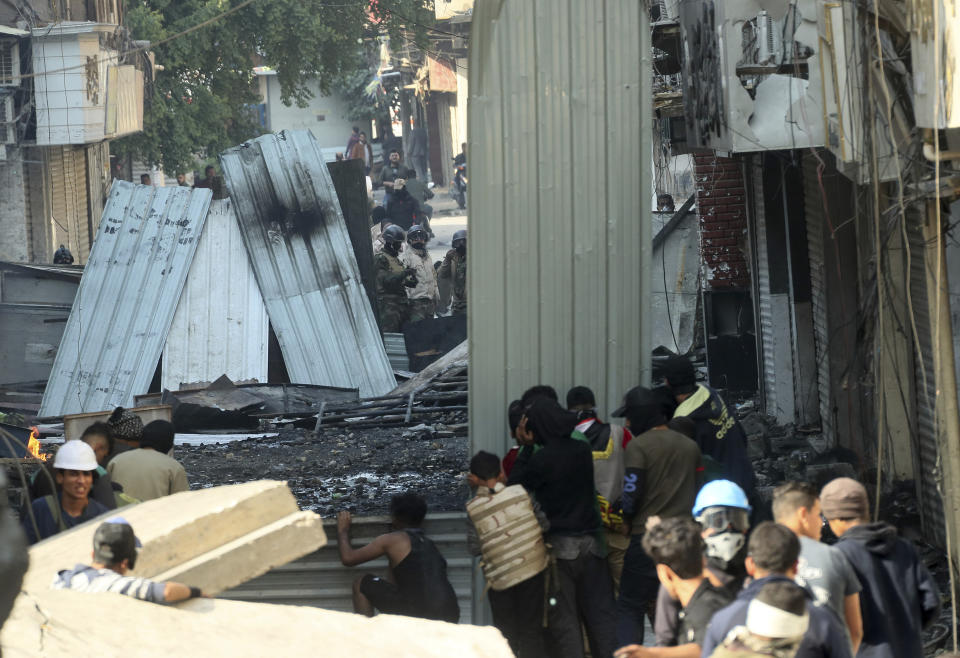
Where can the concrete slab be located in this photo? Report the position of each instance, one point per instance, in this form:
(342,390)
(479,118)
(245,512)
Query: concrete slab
(174,529)
(251,555)
(64,624)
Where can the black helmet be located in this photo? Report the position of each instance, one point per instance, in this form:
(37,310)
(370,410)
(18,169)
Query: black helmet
(460,235)
(392,233)
(416,234)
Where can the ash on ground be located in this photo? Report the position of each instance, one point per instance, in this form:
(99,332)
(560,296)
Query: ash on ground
(342,468)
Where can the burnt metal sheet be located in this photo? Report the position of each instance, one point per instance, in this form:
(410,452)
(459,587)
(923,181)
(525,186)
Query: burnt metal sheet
(349,179)
(127,297)
(300,249)
(220,327)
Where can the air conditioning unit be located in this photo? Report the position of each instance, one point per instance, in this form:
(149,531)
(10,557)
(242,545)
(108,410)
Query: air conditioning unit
(769,40)
(8,124)
(9,63)
(664,10)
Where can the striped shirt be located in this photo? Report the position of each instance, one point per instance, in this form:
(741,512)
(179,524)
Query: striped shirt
(83,578)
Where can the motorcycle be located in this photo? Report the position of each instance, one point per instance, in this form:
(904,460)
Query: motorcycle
(460,184)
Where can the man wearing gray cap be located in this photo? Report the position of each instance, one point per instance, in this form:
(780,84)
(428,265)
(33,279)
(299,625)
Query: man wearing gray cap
(114,554)
(899,597)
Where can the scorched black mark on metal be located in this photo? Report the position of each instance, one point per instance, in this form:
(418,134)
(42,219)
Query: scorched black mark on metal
(703,99)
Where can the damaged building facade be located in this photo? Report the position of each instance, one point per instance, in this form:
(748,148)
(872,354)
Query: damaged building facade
(71,80)
(823,137)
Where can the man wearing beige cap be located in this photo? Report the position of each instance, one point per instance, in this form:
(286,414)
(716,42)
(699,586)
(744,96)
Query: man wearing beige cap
(899,596)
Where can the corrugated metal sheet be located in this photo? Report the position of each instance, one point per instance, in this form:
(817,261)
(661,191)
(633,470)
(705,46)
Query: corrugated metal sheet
(559,133)
(931,503)
(762,282)
(818,282)
(675,279)
(127,297)
(320,580)
(773,309)
(298,244)
(221,326)
(396,347)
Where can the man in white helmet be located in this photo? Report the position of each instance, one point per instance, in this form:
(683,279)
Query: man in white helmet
(75,467)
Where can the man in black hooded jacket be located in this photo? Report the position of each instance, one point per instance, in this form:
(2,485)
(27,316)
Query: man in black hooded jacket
(719,435)
(560,476)
(899,597)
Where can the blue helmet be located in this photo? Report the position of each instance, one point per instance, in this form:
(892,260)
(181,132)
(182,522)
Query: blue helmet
(720,493)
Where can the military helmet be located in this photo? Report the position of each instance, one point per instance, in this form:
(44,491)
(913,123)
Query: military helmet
(460,235)
(416,234)
(392,233)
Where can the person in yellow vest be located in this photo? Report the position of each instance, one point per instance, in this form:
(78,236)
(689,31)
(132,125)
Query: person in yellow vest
(608,443)
(506,529)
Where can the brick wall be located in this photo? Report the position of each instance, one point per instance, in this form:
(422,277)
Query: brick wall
(722,210)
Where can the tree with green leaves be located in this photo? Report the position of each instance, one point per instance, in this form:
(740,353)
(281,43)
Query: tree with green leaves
(202,99)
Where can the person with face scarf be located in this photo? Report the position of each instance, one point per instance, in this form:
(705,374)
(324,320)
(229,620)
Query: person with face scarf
(772,554)
(455,268)
(661,468)
(425,296)
(560,476)
(722,510)
(393,278)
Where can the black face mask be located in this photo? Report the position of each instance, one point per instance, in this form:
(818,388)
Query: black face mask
(392,248)
(461,249)
(419,246)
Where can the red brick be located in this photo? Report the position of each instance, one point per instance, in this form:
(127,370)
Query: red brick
(731,183)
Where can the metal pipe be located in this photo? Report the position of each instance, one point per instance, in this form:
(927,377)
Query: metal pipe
(933,156)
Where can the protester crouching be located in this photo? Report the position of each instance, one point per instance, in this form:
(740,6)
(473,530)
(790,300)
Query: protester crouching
(418,585)
(114,554)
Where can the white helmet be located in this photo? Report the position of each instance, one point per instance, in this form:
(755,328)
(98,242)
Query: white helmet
(75,456)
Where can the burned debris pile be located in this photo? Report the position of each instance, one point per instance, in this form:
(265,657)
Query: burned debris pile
(356,455)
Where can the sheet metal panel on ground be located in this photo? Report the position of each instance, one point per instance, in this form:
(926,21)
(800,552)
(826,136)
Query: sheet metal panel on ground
(319,579)
(301,254)
(559,160)
(127,297)
(220,327)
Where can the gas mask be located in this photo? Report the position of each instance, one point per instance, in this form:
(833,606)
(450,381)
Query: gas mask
(725,534)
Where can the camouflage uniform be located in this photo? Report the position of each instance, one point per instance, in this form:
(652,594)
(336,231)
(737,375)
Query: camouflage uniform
(423,297)
(392,280)
(455,268)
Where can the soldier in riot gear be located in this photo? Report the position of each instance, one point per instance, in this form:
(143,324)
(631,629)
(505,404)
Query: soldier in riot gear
(424,296)
(393,277)
(455,268)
